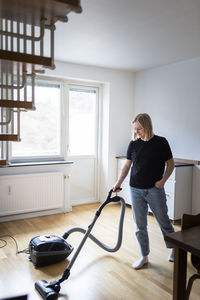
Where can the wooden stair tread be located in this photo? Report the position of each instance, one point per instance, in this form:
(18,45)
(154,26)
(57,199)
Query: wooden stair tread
(17,104)
(26,58)
(9,137)
(13,67)
(31,12)
(3,162)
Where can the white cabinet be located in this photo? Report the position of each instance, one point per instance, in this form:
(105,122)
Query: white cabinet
(178,189)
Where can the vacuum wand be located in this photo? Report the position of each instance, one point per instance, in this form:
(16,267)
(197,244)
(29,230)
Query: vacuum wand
(49,291)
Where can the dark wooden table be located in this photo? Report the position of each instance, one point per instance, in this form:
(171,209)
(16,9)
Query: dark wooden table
(184,241)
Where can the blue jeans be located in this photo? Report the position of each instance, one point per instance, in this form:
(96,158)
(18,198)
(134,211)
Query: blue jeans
(156,199)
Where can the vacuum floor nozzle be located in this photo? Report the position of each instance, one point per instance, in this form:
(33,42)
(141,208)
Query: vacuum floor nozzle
(46,290)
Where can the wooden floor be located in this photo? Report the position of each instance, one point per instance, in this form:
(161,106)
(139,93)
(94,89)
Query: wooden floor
(96,274)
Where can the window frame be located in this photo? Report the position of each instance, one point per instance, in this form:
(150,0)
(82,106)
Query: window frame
(65,85)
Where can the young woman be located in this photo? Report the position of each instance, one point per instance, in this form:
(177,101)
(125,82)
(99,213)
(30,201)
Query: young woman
(151,162)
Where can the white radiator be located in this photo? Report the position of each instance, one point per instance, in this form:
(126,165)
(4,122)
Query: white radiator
(31,192)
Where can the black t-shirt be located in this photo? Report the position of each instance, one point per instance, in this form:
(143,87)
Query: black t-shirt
(148,161)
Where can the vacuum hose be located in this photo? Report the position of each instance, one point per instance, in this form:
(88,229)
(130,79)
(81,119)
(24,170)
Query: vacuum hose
(94,239)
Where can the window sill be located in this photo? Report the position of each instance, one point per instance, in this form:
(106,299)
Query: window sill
(29,164)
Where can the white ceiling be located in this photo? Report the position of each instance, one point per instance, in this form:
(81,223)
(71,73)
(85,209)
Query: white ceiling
(130,34)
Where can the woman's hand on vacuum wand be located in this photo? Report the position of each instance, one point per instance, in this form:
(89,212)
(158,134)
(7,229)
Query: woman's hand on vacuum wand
(116,188)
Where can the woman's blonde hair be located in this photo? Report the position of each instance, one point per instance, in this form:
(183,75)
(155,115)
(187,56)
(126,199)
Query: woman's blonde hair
(145,121)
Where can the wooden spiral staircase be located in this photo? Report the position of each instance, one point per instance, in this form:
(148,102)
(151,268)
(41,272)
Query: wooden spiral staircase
(23,27)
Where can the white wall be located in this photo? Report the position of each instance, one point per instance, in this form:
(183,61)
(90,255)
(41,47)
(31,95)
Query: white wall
(171,95)
(117,112)
(117,107)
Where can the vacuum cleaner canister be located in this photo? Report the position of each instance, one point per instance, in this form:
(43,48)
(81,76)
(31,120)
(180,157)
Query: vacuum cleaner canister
(48,249)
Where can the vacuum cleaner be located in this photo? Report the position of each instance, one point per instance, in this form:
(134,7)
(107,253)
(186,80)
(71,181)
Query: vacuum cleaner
(50,291)
(48,249)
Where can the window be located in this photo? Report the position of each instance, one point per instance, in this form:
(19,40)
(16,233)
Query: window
(82,121)
(64,123)
(41,129)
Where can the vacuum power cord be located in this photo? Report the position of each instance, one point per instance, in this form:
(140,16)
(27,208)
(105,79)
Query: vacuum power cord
(5,243)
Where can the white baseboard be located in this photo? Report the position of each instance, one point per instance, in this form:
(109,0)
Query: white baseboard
(83,201)
(31,215)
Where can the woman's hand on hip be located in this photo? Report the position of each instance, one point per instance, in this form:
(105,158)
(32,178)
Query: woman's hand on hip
(159,184)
